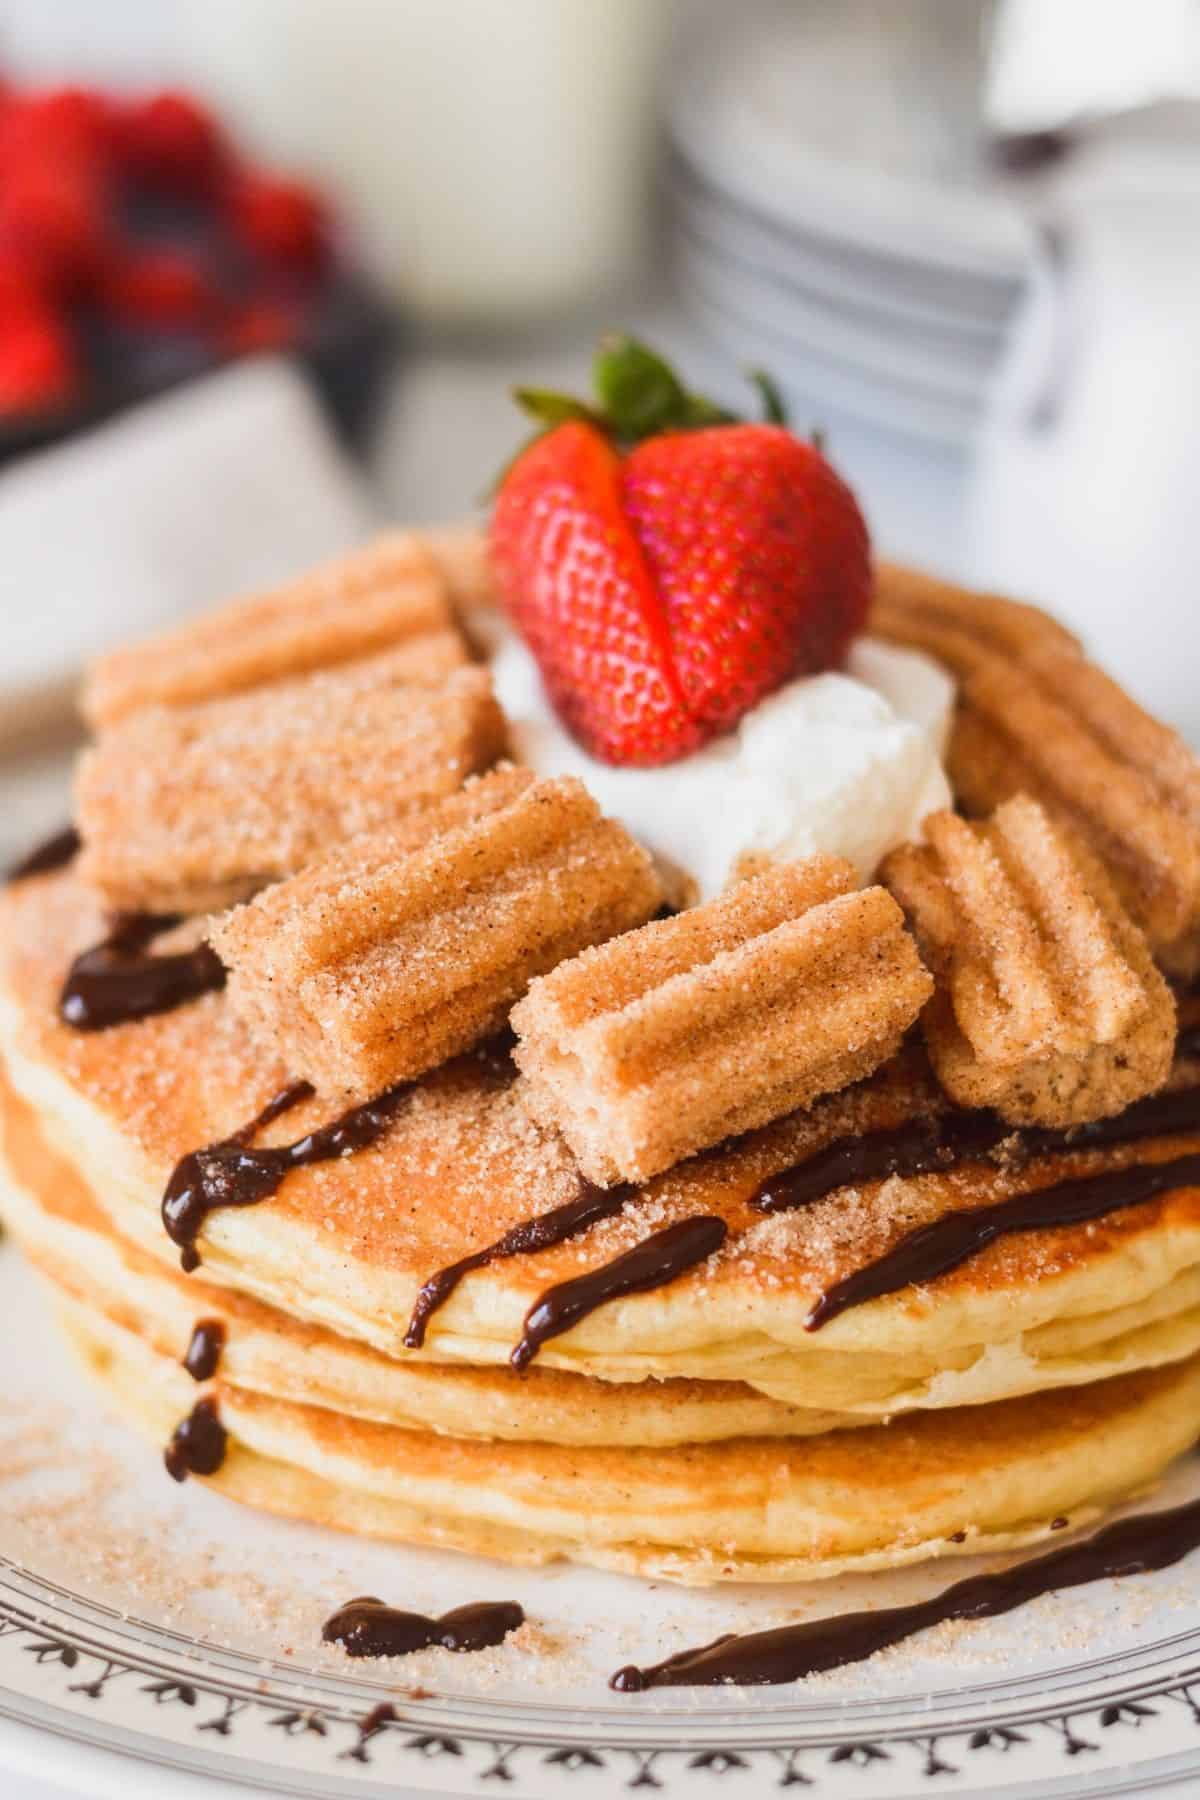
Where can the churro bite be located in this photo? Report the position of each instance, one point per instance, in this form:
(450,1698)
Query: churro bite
(956,625)
(652,1047)
(1049,1007)
(460,552)
(190,808)
(1127,784)
(1034,716)
(392,592)
(408,946)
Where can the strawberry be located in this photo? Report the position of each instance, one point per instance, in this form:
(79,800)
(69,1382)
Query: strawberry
(670,565)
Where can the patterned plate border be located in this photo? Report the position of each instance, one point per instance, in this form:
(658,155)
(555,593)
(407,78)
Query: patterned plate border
(1114,1725)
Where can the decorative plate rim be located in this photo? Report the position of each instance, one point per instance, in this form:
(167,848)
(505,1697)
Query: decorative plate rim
(81,1653)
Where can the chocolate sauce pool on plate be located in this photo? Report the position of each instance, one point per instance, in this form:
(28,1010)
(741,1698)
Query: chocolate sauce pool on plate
(650,1264)
(230,1173)
(1130,1547)
(368,1627)
(120,978)
(590,1205)
(55,853)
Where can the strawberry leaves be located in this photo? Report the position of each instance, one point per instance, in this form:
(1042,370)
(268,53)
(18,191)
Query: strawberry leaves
(639,396)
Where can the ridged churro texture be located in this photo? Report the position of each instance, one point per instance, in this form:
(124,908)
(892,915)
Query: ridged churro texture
(958,626)
(190,808)
(405,948)
(1049,1007)
(462,557)
(390,592)
(1035,716)
(671,1038)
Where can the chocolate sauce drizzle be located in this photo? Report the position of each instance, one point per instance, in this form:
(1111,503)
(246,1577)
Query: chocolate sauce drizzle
(590,1205)
(650,1264)
(1188,1041)
(922,1146)
(55,853)
(1130,1547)
(202,1357)
(229,1173)
(368,1627)
(119,979)
(937,1248)
(197,1445)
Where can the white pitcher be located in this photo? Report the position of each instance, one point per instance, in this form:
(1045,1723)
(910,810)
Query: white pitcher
(1087,490)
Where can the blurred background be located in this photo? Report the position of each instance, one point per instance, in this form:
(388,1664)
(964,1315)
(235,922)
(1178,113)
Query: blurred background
(268,269)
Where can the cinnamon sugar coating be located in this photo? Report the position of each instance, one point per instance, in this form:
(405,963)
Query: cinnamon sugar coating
(1034,716)
(958,626)
(1049,1007)
(649,1048)
(190,808)
(461,554)
(404,948)
(388,593)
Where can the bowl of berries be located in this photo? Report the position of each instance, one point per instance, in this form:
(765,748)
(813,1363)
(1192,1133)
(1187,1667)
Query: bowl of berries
(139,248)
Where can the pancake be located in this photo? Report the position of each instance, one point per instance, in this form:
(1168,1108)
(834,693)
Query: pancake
(66,1234)
(753,1509)
(347,1244)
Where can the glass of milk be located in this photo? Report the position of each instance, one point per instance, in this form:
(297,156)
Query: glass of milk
(492,154)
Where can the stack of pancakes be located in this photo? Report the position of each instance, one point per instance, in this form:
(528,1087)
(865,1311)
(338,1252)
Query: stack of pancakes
(701,1431)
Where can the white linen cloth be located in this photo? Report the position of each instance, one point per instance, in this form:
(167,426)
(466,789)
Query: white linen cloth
(230,483)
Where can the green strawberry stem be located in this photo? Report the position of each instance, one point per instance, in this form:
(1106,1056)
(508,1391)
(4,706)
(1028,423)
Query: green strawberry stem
(774,410)
(639,395)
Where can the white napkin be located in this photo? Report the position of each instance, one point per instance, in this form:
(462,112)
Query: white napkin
(228,484)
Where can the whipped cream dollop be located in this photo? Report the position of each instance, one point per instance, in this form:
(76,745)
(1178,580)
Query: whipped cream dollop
(845,762)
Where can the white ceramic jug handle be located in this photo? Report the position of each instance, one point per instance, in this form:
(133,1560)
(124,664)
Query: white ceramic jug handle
(1053,330)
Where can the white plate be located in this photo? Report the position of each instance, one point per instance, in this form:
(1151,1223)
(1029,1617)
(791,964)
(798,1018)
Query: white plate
(813,383)
(125,1625)
(893,356)
(799,118)
(891,290)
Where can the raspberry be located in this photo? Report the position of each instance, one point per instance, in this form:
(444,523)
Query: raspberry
(52,220)
(261,325)
(21,288)
(37,363)
(283,222)
(58,124)
(160,287)
(170,142)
